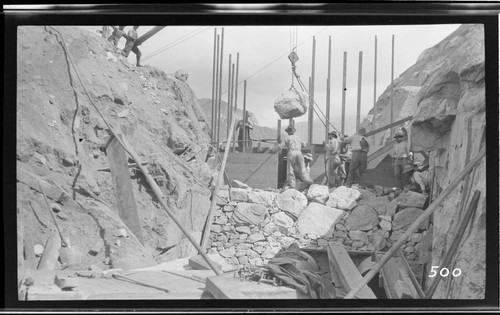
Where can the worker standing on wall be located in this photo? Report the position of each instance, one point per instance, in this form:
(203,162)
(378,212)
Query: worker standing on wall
(130,45)
(241,130)
(359,159)
(400,157)
(116,35)
(333,160)
(296,168)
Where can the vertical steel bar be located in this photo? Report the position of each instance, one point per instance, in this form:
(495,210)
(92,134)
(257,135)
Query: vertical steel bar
(220,85)
(216,103)
(375,75)
(342,130)
(392,85)
(360,74)
(232,113)
(228,117)
(311,91)
(278,136)
(213,89)
(328,82)
(236,95)
(244,143)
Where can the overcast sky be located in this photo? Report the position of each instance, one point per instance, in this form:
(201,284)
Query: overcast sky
(263,62)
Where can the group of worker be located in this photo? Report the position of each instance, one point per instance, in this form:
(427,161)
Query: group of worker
(409,175)
(130,36)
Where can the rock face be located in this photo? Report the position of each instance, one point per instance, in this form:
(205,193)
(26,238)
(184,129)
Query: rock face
(292,202)
(363,218)
(343,198)
(445,93)
(318,220)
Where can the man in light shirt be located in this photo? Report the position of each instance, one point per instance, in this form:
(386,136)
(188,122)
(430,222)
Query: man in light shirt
(295,159)
(400,157)
(359,148)
(333,160)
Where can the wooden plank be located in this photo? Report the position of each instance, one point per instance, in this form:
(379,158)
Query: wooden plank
(50,253)
(371,133)
(127,208)
(107,169)
(345,273)
(199,263)
(390,274)
(233,288)
(411,275)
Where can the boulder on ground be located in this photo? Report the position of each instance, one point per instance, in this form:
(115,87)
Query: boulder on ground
(238,195)
(263,197)
(343,198)
(410,199)
(238,184)
(249,213)
(318,193)
(363,217)
(318,220)
(404,218)
(292,202)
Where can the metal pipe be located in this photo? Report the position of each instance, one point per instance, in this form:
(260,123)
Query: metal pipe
(360,71)
(278,137)
(231,113)
(328,82)
(216,101)
(392,85)
(228,117)
(375,75)
(236,96)
(342,130)
(213,89)
(425,215)
(244,143)
(220,85)
(311,91)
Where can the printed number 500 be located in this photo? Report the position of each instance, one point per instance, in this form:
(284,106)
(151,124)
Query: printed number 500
(444,272)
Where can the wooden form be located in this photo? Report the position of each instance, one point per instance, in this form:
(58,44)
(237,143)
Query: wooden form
(345,273)
(125,201)
(222,287)
(256,170)
(424,216)
(396,280)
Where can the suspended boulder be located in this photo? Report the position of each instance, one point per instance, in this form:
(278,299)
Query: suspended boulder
(291,104)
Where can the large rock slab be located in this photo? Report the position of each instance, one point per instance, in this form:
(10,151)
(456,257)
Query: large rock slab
(410,199)
(343,198)
(318,193)
(262,197)
(363,218)
(382,205)
(318,220)
(404,218)
(292,202)
(249,213)
(238,194)
(282,219)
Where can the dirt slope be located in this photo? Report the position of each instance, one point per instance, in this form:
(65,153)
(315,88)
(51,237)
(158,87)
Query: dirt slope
(61,140)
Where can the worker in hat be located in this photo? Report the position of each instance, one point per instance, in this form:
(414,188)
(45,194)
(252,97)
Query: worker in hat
(308,158)
(244,132)
(130,45)
(359,159)
(296,167)
(420,177)
(333,160)
(400,157)
(118,33)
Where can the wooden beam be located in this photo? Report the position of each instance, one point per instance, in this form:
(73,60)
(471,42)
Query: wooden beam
(413,279)
(222,287)
(344,272)
(197,262)
(371,133)
(107,169)
(344,88)
(125,201)
(383,150)
(148,34)
(50,253)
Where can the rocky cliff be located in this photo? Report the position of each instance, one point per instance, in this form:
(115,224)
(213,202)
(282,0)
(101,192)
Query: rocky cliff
(61,142)
(445,93)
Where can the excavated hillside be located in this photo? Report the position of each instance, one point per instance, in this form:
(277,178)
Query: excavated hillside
(61,142)
(445,93)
